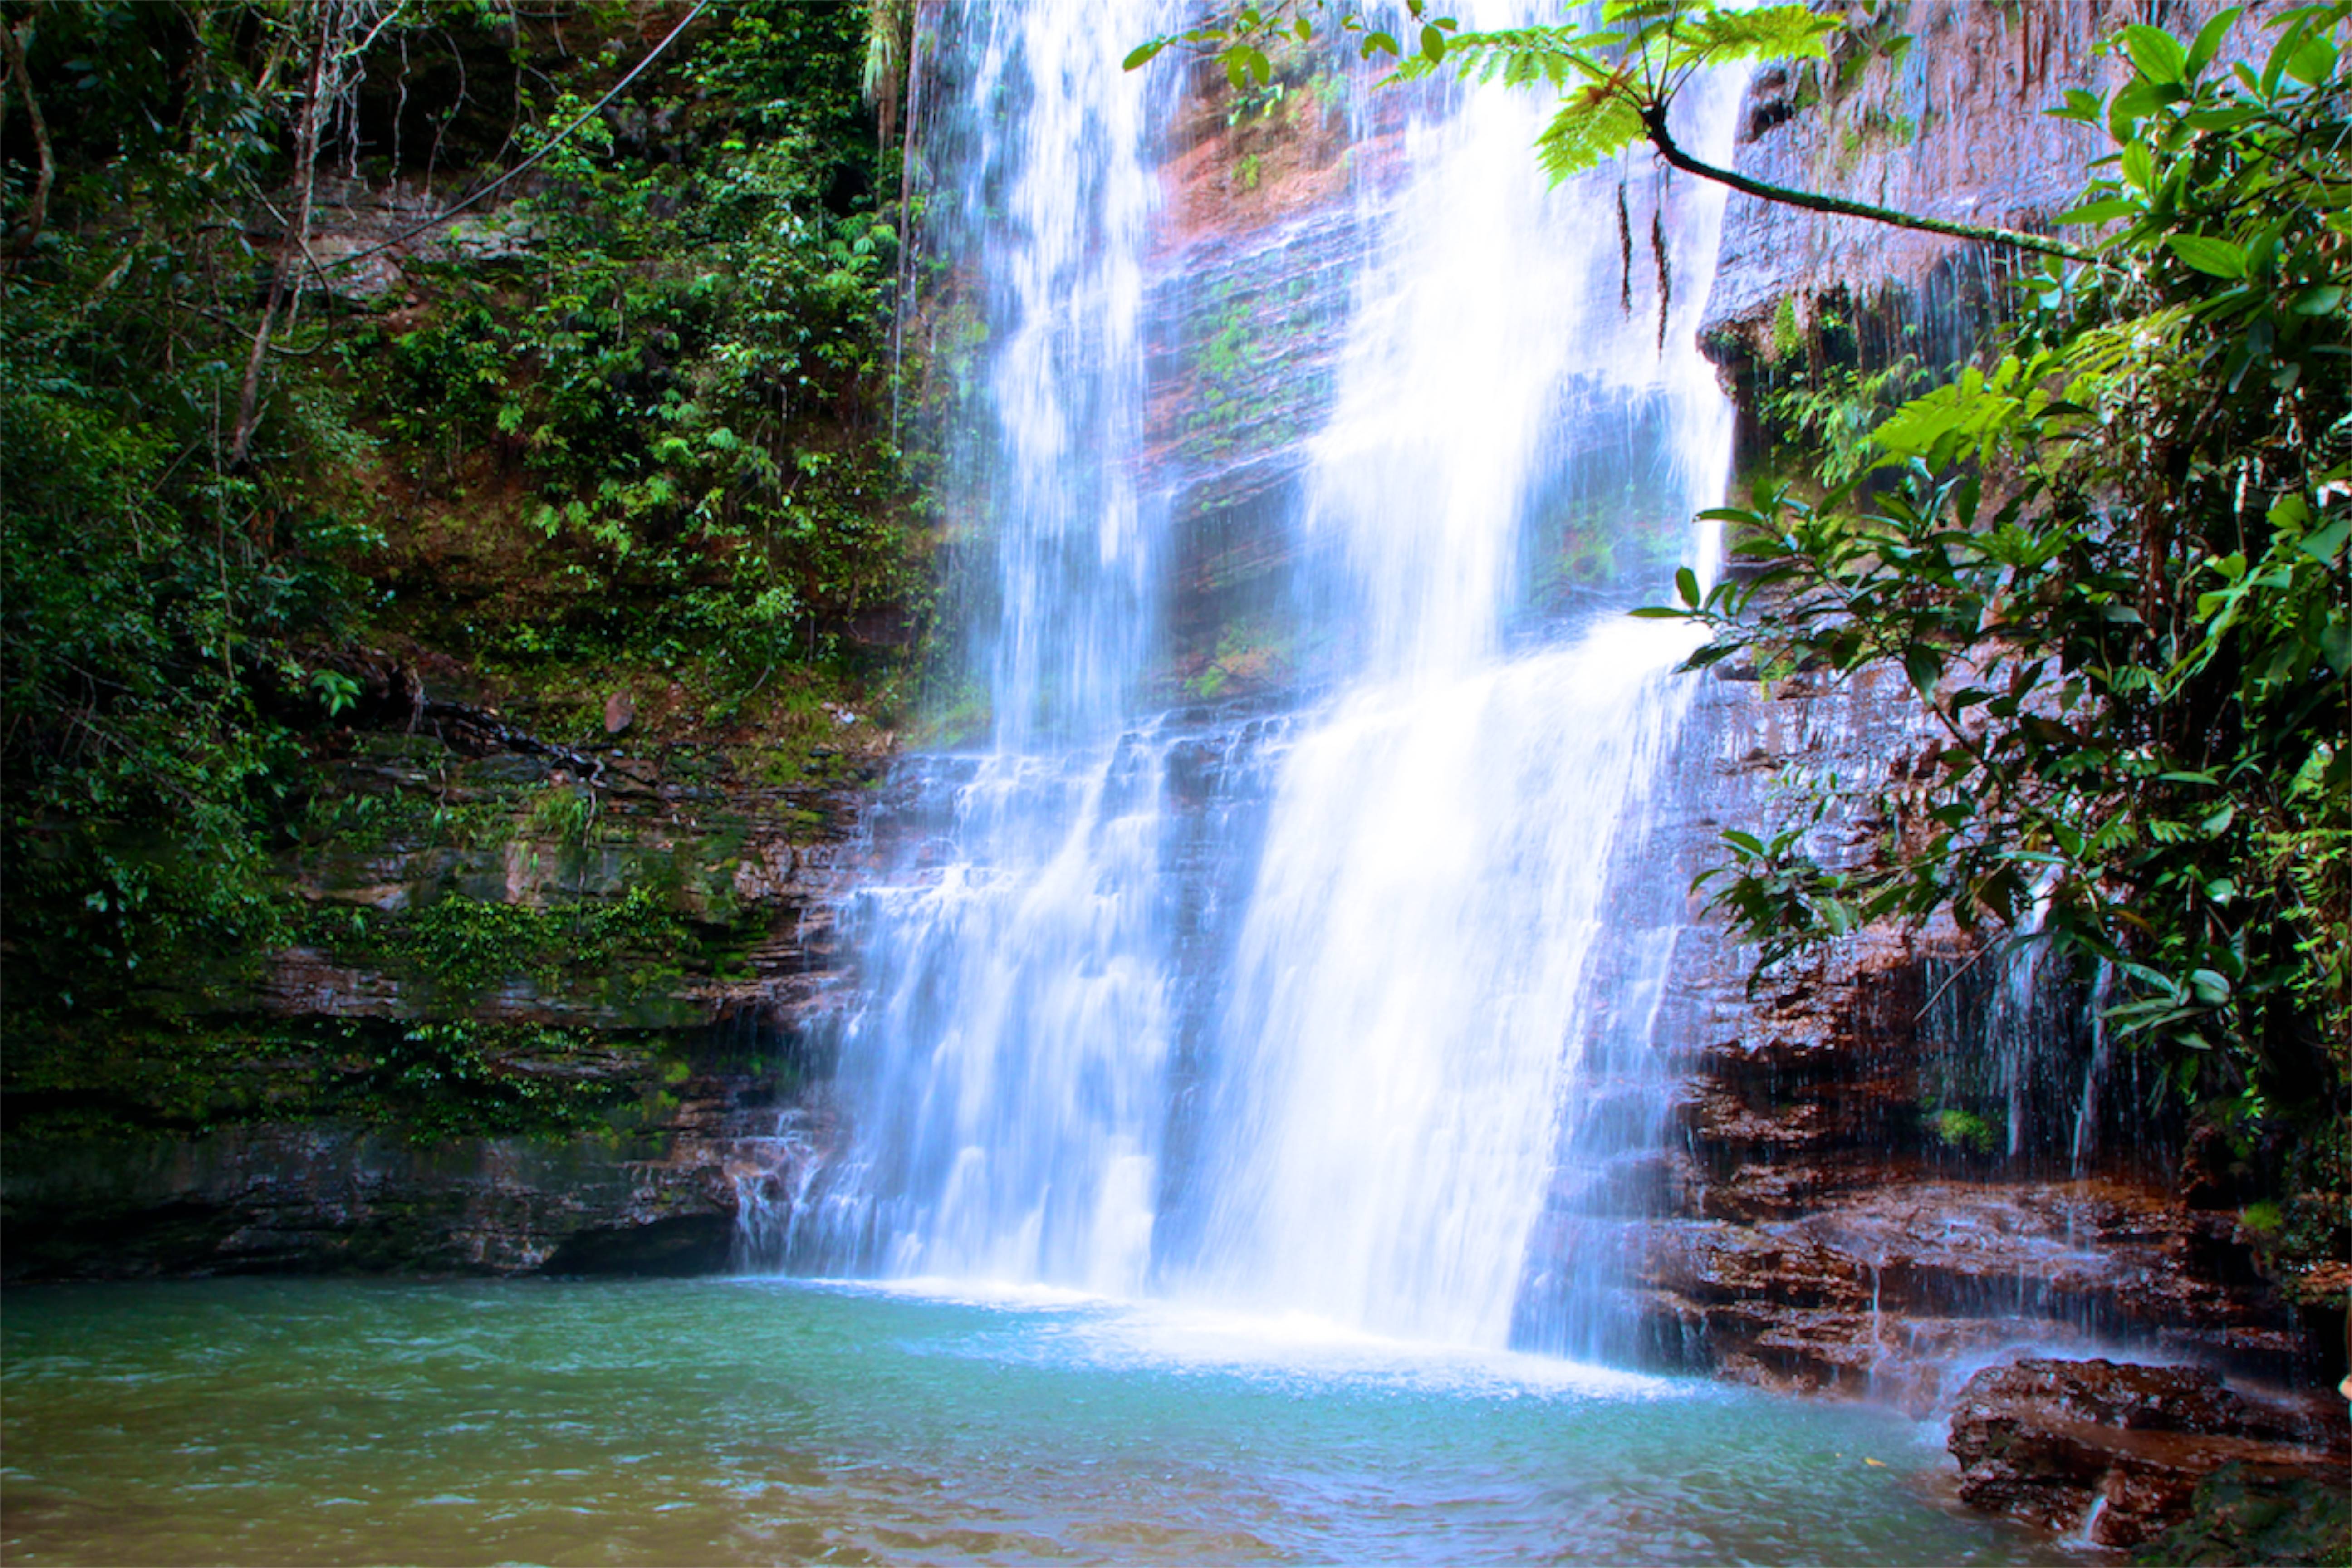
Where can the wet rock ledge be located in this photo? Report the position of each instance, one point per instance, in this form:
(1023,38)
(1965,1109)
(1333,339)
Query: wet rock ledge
(2165,1458)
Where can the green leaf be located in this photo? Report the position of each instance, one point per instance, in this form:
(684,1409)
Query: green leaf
(2323,300)
(2158,55)
(2327,544)
(1432,43)
(2132,102)
(1710,37)
(2139,164)
(2335,642)
(2315,62)
(1925,666)
(2078,105)
(1686,585)
(2220,258)
(2100,211)
(2208,40)
(1379,43)
(1591,125)
(1144,54)
(2289,40)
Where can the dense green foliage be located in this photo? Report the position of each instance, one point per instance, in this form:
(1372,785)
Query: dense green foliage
(621,424)
(2111,563)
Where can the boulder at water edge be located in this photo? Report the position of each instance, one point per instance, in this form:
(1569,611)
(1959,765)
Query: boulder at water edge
(2118,1451)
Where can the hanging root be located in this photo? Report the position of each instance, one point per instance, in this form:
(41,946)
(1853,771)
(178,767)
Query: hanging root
(1665,272)
(1624,254)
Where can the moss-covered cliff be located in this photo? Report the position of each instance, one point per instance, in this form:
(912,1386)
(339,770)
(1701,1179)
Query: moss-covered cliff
(460,583)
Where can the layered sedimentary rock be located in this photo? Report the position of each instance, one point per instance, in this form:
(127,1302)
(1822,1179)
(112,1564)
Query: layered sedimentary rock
(431,992)
(1905,1155)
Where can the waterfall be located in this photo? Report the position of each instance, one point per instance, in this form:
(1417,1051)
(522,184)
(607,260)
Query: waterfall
(1004,1070)
(1333,1010)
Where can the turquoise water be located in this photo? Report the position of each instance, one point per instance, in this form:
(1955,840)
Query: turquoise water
(724,1421)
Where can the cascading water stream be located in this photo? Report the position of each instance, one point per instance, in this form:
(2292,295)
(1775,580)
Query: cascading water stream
(1429,1016)
(1409,1008)
(1003,1072)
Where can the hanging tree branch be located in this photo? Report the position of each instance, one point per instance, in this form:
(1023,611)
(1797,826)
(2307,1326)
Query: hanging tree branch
(1616,83)
(1654,127)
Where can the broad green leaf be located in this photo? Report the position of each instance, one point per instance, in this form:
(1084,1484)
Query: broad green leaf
(2134,101)
(2224,119)
(2139,164)
(2220,258)
(2315,62)
(1144,54)
(1686,585)
(2208,39)
(2290,39)
(1925,666)
(2158,55)
(2335,642)
(2078,105)
(2323,300)
(1432,43)
(2326,545)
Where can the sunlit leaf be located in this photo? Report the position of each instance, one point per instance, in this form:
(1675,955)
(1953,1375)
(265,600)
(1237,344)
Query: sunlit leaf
(2156,54)
(1593,124)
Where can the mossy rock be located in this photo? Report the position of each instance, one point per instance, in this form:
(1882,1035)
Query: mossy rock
(2244,1516)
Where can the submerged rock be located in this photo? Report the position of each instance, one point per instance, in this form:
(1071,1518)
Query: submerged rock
(2119,1451)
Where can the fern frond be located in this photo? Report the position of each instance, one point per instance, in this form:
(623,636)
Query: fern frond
(1594,124)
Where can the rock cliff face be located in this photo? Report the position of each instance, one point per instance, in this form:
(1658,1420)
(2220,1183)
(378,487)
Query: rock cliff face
(1888,1165)
(631,983)
(1906,1157)
(1949,127)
